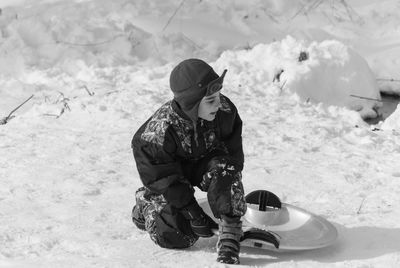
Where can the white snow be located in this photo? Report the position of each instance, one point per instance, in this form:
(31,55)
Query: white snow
(99,69)
(332,74)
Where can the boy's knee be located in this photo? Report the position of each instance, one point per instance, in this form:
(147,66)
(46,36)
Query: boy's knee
(225,190)
(165,225)
(218,167)
(171,230)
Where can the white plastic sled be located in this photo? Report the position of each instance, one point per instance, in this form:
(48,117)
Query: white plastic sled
(272,225)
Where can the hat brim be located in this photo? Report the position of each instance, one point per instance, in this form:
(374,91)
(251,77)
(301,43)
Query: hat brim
(215,85)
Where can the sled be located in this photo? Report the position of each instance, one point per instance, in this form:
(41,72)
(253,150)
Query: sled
(272,225)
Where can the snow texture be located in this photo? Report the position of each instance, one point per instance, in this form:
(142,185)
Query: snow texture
(303,75)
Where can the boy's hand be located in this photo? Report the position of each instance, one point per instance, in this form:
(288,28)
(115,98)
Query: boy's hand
(203,226)
(200,222)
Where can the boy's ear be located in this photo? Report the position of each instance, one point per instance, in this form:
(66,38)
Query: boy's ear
(216,84)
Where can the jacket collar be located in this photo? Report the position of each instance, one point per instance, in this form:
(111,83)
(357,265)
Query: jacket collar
(178,110)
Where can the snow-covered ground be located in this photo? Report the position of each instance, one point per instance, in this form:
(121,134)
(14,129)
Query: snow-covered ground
(98,69)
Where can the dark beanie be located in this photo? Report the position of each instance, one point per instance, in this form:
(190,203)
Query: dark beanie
(189,81)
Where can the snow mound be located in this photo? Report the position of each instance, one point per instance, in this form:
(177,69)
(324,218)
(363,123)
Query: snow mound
(98,33)
(393,121)
(328,72)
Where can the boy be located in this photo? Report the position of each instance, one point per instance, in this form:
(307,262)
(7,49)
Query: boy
(193,140)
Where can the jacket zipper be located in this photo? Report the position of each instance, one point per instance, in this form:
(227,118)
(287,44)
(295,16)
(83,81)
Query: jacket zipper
(196,136)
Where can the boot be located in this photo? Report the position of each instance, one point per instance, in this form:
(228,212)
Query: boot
(228,246)
(137,211)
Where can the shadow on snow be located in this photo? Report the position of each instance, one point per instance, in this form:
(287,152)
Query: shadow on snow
(357,243)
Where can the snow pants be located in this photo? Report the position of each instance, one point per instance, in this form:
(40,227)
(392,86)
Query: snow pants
(167,226)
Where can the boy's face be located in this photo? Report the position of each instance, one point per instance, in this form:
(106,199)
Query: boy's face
(209,106)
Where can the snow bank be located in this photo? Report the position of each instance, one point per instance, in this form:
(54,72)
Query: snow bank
(393,121)
(56,34)
(330,73)
(327,72)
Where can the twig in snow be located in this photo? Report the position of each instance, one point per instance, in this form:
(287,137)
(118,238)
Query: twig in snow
(349,10)
(283,84)
(388,79)
(248,46)
(111,92)
(90,44)
(270,15)
(307,9)
(63,110)
(298,12)
(155,46)
(173,15)
(277,76)
(46,98)
(191,41)
(51,115)
(365,98)
(88,91)
(314,5)
(5,120)
(361,205)
(64,101)
(66,106)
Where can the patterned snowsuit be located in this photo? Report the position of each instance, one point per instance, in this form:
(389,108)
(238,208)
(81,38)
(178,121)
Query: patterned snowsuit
(173,155)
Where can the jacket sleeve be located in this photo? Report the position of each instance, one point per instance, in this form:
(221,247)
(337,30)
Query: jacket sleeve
(160,171)
(233,139)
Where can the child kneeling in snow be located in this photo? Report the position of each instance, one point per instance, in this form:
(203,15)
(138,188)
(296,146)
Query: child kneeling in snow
(193,140)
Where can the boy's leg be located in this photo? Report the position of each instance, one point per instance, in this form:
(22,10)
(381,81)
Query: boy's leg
(228,246)
(226,198)
(224,188)
(166,227)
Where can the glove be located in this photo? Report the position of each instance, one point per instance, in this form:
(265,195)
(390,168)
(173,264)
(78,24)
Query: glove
(203,226)
(200,222)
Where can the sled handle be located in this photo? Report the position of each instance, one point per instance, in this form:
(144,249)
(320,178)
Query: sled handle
(264,199)
(262,236)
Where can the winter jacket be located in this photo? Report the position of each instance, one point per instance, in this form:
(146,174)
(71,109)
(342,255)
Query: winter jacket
(169,140)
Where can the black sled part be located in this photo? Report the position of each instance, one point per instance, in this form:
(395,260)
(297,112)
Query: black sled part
(262,236)
(263,199)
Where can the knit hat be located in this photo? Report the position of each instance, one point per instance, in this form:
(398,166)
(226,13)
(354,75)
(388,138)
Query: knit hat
(190,81)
